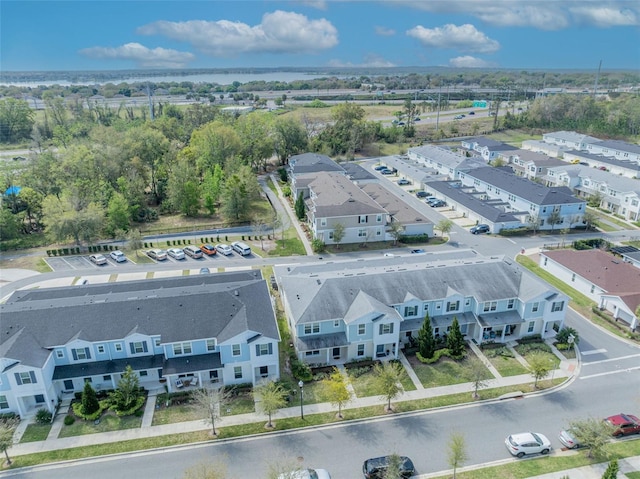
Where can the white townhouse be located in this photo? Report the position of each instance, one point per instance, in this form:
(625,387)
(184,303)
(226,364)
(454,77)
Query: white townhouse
(487,148)
(620,150)
(192,330)
(620,195)
(345,311)
(628,168)
(529,164)
(569,139)
(549,149)
(525,199)
(446,162)
(612,284)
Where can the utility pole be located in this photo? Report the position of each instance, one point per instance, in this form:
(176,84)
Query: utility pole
(438,114)
(150,102)
(595,85)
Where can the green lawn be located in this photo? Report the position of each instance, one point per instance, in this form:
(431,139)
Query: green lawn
(175,413)
(443,373)
(526,350)
(508,366)
(35,432)
(365,386)
(108,422)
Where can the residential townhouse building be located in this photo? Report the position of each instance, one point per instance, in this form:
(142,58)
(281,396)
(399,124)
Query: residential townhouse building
(620,150)
(619,194)
(569,139)
(612,284)
(312,163)
(208,329)
(549,149)
(447,163)
(525,199)
(487,148)
(628,168)
(371,309)
(529,164)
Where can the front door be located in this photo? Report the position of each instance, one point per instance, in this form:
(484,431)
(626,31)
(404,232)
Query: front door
(336,353)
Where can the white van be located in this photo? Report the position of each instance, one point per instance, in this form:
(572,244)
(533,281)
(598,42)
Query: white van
(241,248)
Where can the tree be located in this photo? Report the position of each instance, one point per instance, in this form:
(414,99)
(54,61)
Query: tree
(426,339)
(10,225)
(612,470)
(477,374)
(128,391)
(66,218)
(235,204)
(118,217)
(554,219)
(7,429)
(539,366)
(595,200)
(338,234)
(457,453)
(270,398)
(444,226)
(259,228)
(593,434)
(394,467)
(396,230)
(455,340)
(210,402)
(134,239)
(16,120)
(289,138)
(183,188)
(90,402)
(206,470)
(300,207)
(212,187)
(388,378)
(336,389)
(563,335)
(589,219)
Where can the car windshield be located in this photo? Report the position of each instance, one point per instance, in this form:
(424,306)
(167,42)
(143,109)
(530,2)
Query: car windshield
(537,438)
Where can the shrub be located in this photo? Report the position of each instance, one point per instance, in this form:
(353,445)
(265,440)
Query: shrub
(69,420)
(438,354)
(77,410)
(564,334)
(414,239)
(301,370)
(514,231)
(357,372)
(43,416)
(318,246)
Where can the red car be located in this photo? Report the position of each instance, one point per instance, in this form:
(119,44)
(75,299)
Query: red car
(208,249)
(624,424)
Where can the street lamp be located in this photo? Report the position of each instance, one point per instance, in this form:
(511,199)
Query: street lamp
(300,385)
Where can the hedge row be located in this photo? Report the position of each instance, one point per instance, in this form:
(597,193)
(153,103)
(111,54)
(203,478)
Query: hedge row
(77,250)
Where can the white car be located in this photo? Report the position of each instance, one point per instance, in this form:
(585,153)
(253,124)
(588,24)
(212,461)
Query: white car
(98,259)
(527,443)
(118,256)
(225,249)
(157,254)
(176,253)
(306,474)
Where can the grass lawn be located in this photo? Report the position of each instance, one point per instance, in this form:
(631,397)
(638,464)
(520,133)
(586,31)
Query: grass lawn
(108,422)
(35,432)
(175,413)
(443,373)
(526,350)
(290,246)
(364,385)
(507,366)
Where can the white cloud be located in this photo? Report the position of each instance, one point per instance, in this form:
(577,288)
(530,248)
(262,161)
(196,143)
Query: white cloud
(384,32)
(544,15)
(469,62)
(279,32)
(319,4)
(370,60)
(464,38)
(143,56)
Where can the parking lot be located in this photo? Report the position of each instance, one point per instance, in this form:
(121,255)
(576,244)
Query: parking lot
(70,263)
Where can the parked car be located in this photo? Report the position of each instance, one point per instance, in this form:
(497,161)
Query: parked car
(568,439)
(386,171)
(208,249)
(225,249)
(204,271)
(402,181)
(98,259)
(176,253)
(157,254)
(417,118)
(401,123)
(376,468)
(624,424)
(118,256)
(421,194)
(492,113)
(527,443)
(192,251)
(481,228)
(379,167)
(438,204)
(418,251)
(603,168)
(458,117)
(241,248)
(472,113)
(306,474)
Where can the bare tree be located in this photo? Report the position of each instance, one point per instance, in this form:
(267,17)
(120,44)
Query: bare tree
(211,403)
(396,229)
(259,228)
(477,374)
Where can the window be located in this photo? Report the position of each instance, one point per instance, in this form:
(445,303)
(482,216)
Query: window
(143,374)
(379,218)
(534,308)
(593,288)
(4,404)
(156,342)
(59,353)
(181,348)
(330,234)
(467,302)
(531,326)
(557,306)
(410,311)
(362,233)
(573,277)
(237,372)
(264,371)
(177,349)
(362,329)
(360,349)
(28,377)
(100,348)
(453,305)
(264,349)
(362,219)
(336,323)
(490,306)
(235,350)
(211,344)
(88,380)
(312,353)
(106,377)
(312,328)
(511,303)
(386,328)
(323,221)
(81,354)
(138,347)
(118,347)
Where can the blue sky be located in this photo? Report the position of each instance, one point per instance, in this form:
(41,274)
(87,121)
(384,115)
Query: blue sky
(523,34)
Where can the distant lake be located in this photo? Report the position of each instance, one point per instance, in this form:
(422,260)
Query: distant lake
(219,78)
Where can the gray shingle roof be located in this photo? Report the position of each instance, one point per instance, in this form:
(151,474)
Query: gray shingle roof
(312,162)
(606,159)
(218,306)
(335,195)
(618,145)
(400,210)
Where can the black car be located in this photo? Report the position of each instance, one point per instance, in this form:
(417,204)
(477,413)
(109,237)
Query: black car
(421,194)
(437,204)
(376,468)
(478,229)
